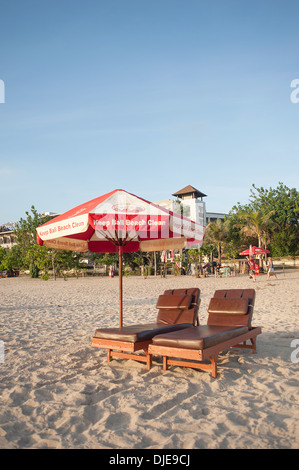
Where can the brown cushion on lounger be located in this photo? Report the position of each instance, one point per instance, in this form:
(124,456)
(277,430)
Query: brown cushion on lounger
(230,311)
(135,333)
(228,305)
(187,316)
(199,337)
(176,308)
(174,301)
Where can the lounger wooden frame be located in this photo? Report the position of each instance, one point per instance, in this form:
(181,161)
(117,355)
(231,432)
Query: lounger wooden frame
(210,353)
(124,349)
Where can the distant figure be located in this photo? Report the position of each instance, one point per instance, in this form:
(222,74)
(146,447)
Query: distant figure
(218,267)
(207,269)
(270,269)
(251,268)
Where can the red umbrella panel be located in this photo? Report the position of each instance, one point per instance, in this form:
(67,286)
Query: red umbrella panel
(254,250)
(119,222)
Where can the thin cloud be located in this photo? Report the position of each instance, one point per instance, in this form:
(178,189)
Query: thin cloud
(4,171)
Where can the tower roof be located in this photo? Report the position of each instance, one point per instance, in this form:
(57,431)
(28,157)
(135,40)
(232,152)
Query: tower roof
(189,190)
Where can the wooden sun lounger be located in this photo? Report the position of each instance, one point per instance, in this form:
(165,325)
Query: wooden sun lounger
(229,325)
(177,309)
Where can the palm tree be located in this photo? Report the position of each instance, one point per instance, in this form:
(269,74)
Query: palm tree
(257,225)
(216,233)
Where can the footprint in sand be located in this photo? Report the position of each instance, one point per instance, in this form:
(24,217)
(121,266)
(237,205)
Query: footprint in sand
(118,420)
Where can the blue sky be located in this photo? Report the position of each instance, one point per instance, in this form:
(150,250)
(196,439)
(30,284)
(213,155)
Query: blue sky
(146,96)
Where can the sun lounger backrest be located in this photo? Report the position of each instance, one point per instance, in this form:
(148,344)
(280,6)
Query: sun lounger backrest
(233,307)
(195,293)
(178,306)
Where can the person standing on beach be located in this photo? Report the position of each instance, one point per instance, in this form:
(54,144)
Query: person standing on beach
(270,269)
(251,268)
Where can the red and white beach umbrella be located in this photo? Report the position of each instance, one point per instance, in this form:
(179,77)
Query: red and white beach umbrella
(119,222)
(254,250)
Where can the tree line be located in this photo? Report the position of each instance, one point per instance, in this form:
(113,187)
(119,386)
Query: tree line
(269,220)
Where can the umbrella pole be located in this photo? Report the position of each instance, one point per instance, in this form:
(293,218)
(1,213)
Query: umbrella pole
(120,265)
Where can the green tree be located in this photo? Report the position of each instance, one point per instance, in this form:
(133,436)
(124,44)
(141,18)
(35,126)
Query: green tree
(62,261)
(31,254)
(235,238)
(257,225)
(2,259)
(10,258)
(270,218)
(283,202)
(134,260)
(217,234)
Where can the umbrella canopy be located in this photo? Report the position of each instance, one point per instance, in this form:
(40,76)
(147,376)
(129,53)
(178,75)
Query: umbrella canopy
(254,250)
(119,222)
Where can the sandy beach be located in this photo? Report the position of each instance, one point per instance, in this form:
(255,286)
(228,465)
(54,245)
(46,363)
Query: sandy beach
(58,392)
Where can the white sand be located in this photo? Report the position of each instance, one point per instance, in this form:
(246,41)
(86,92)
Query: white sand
(59,392)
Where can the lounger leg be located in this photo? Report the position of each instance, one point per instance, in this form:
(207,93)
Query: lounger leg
(149,360)
(108,355)
(253,342)
(214,366)
(164,362)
